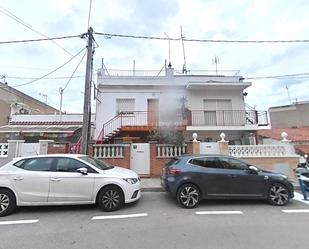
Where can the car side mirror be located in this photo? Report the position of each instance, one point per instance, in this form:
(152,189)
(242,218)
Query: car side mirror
(253,169)
(83,171)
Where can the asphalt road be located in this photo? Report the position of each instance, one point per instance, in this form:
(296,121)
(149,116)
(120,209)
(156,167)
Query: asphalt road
(159,223)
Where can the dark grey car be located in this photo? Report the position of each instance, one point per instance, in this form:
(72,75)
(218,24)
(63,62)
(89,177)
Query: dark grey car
(192,178)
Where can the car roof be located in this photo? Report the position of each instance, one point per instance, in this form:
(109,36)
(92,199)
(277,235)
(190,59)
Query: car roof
(51,155)
(187,156)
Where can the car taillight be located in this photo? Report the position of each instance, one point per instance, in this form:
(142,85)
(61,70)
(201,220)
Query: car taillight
(173,171)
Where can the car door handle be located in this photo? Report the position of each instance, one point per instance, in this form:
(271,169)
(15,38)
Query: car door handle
(18,178)
(55,179)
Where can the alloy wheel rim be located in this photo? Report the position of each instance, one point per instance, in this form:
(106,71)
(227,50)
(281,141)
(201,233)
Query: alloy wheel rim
(111,199)
(4,202)
(189,196)
(279,194)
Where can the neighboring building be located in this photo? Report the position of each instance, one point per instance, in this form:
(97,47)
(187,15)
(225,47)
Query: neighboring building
(299,137)
(289,116)
(130,104)
(32,128)
(13,101)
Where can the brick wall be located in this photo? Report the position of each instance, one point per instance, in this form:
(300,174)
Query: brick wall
(121,162)
(57,148)
(156,164)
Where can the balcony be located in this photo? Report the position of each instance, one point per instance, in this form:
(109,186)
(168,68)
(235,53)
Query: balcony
(227,118)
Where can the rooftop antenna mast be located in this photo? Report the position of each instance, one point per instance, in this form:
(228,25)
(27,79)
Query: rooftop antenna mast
(216,62)
(169,51)
(184,68)
(289,96)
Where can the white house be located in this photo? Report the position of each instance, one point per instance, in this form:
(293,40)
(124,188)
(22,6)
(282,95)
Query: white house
(132,103)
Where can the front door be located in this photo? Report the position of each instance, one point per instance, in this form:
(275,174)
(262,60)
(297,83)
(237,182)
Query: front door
(68,185)
(140,158)
(152,110)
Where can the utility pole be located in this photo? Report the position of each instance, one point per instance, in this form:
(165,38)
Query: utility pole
(87,100)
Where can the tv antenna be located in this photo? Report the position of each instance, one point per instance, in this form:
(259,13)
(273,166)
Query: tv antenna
(169,51)
(184,67)
(288,91)
(216,62)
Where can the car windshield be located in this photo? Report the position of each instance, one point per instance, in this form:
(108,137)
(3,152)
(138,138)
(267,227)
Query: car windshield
(97,163)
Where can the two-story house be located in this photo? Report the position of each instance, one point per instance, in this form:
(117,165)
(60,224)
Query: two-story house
(134,103)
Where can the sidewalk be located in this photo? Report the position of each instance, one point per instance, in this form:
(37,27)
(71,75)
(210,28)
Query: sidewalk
(151,185)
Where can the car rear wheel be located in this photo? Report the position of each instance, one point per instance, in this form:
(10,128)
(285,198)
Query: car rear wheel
(110,198)
(7,202)
(278,195)
(188,196)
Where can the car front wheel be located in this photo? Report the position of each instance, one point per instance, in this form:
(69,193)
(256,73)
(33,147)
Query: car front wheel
(7,202)
(188,196)
(110,198)
(278,195)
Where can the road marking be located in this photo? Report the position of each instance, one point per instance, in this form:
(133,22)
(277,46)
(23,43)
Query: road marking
(294,211)
(299,197)
(219,212)
(106,217)
(16,222)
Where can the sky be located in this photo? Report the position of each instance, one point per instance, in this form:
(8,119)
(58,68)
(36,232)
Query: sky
(200,19)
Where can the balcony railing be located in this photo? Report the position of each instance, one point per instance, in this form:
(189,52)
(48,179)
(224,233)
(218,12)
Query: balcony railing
(227,118)
(138,118)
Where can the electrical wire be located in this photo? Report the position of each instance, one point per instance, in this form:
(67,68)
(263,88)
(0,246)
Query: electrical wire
(41,39)
(298,75)
(110,35)
(46,78)
(72,75)
(17,19)
(32,81)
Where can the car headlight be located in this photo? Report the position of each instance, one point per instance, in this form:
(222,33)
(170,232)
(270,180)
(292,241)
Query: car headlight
(131,180)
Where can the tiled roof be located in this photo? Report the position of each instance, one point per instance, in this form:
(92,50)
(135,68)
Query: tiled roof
(294,134)
(39,123)
(302,148)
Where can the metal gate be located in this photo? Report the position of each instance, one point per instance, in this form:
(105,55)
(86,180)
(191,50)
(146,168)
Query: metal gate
(140,158)
(29,149)
(209,148)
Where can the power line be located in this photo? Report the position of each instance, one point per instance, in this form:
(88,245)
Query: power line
(17,19)
(72,75)
(33,68)
(32,81)
(298,75)
(46,78)
(110,35)
(41,39)
(89,13)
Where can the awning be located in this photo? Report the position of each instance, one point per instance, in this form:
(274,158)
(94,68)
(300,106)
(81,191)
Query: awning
(54,128)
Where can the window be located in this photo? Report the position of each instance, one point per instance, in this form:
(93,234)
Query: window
(97,163)
(35,164)
(64,164)
(231,163)
(207,162)
(125,106)
(217,111)
(197,161)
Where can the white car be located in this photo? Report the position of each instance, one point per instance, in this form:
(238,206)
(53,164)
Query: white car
(64,179)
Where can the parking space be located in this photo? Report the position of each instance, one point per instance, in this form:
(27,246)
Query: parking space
(151,204)
(155,220)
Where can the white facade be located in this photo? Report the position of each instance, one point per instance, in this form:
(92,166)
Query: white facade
(224,92)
